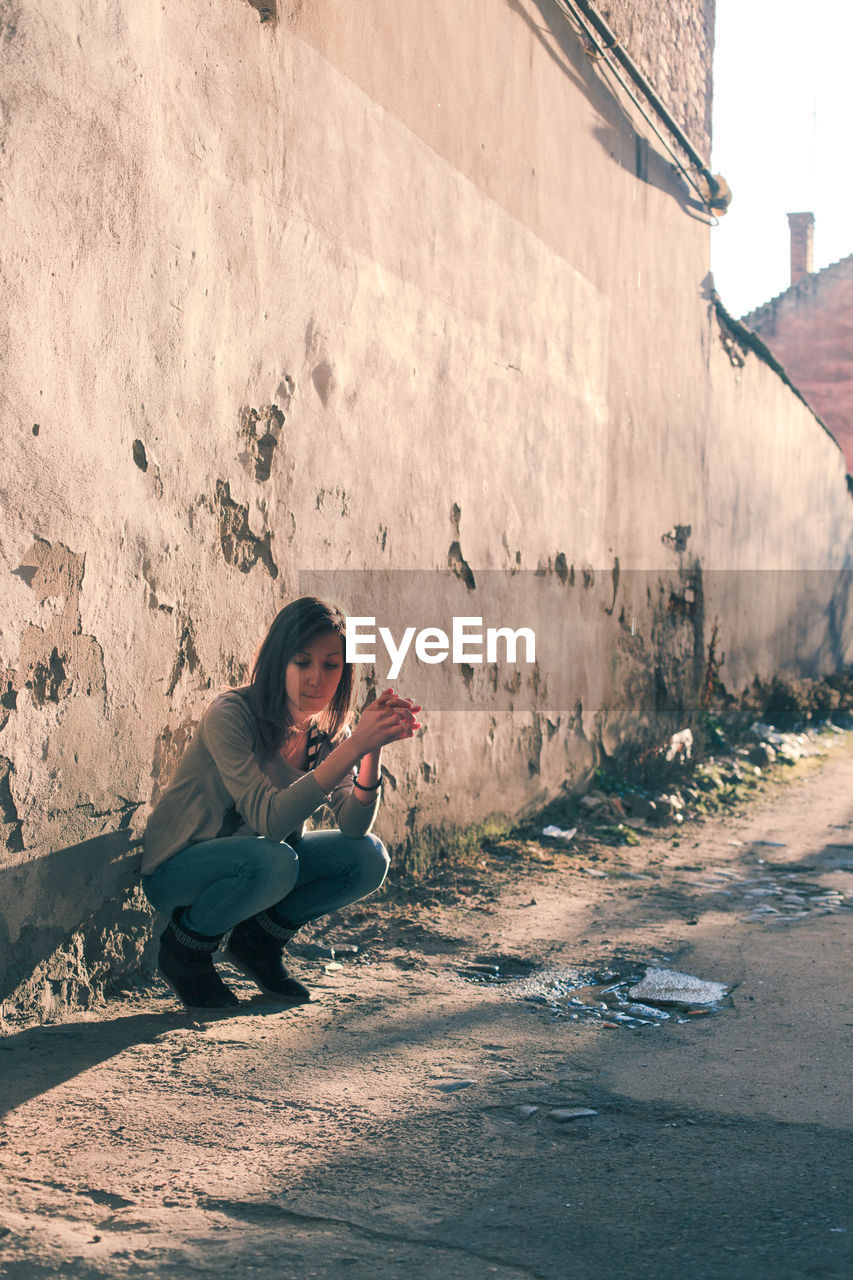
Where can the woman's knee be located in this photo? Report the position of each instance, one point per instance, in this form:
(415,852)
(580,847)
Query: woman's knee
(374,860)
(271,865)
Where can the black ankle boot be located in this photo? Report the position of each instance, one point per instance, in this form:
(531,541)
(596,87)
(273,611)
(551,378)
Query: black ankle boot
(186,962)
(255,947)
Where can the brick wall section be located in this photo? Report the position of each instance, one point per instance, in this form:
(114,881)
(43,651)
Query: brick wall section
(672,42)
(809,329)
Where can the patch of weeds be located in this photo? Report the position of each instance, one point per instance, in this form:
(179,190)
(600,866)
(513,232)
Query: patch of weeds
(793,702)
(659,779)
(712,731)
(617,834)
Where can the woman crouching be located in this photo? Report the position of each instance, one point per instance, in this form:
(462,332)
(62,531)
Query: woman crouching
(225,849)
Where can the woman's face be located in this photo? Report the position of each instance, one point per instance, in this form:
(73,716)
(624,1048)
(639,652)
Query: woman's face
(312,676)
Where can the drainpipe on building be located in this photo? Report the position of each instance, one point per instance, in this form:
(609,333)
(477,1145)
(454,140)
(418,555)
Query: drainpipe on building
(715,190)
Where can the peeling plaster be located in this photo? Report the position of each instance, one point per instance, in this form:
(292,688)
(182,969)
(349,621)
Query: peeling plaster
(153,601)
(459,565)
(266,9)
(10,822)
(260,430)
(139,455)
(240,547)
(58,660)
(187,658)
(340,497)
(323,377)
(8,696)
(168,749)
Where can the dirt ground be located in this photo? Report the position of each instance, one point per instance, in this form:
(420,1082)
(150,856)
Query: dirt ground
(401,1125)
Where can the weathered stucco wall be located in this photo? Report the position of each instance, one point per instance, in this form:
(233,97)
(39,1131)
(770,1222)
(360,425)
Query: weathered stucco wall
(357,287)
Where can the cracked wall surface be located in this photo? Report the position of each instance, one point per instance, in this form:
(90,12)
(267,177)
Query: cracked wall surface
(283,286)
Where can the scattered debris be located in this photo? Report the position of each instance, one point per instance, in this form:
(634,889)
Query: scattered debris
(550,984)
(642,1010)
(323,950)
(312,951)
(606,998)
(601,808)
(680,746)
(493,969)
(775,895)
(624,801)
(557,833)
(669,987)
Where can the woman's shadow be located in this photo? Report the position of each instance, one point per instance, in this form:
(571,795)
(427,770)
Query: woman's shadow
(91,891)
(37,1059)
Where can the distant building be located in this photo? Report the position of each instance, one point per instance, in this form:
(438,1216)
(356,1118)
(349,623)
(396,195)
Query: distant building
(809,329)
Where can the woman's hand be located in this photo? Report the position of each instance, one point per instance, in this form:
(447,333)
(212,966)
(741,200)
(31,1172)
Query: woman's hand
(388,719)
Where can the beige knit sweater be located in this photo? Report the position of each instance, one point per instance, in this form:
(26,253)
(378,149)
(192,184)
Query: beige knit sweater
(223,787)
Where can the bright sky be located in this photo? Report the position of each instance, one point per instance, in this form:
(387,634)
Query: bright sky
(783,120)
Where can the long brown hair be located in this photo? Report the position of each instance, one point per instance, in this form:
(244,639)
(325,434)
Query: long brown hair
(292,630)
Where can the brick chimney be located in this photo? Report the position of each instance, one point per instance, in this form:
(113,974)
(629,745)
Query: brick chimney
(802,244)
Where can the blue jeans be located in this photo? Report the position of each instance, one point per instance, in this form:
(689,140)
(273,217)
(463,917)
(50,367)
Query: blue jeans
(222,882)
